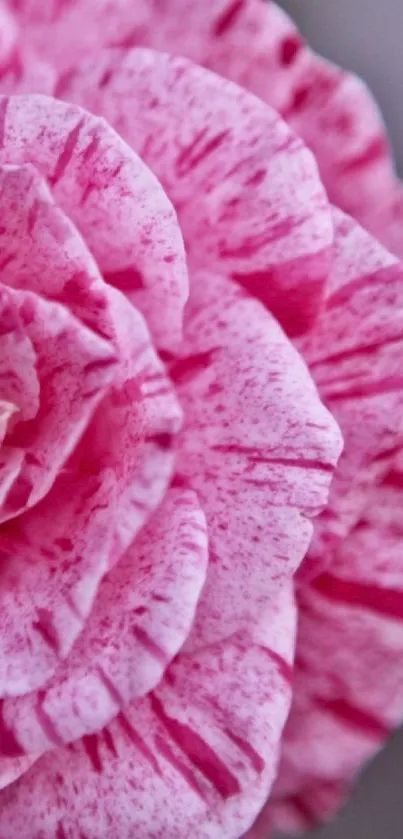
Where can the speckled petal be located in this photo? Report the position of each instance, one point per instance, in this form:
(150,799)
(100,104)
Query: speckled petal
(348,692)
(258,447)
(194,758)
(349,679)
(72,380)
(355,355)
(142,615)
(255,44)
(124,215)
(44,253)
(57,553)
(246,190)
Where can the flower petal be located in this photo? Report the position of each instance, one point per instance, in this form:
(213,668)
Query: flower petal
(258,447)
(73,379)
(349,679)
(52,560)
(43,252)
(247,192)
(79,368)
(348,688)
(115,201)
(355,354)
(194,758)
(142,615)
(256,45)
(12,767)
(57,554)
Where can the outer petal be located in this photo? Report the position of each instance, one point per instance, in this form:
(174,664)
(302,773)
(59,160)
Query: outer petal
(256,45)
(195,758)
(19,384)
(66,31)
(141,617)
(348,686)
(349,679)
(209,736)
(257,446)
(355,354)
(246,191)
(124,215)
(42,252)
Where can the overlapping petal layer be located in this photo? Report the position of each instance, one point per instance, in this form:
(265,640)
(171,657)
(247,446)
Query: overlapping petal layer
(113,199)
(257,446)
(255,44)
(141,616)
(348,680)
(192,758)
(354,354)
(247,193)
(93,443)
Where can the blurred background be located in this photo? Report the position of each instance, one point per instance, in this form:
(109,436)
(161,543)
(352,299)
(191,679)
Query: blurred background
(365,36)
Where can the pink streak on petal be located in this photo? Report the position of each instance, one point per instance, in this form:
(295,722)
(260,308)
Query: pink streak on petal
(131,635)
(70,148)
(247,193)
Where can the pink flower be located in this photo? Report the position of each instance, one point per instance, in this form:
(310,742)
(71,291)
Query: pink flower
(164,447)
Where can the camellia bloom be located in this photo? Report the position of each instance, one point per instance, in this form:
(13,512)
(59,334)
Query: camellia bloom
(170,266)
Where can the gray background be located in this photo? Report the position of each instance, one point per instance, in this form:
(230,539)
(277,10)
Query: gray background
(366,36)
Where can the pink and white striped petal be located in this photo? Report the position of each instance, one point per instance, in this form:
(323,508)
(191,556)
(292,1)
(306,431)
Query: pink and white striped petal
(73,378)
(247,192)
(348,679)
(66,31)
(140,619)
(355,355)
(117,204)
(256,45)
(57,554)
(194,758)
(258,447)
(44,253)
